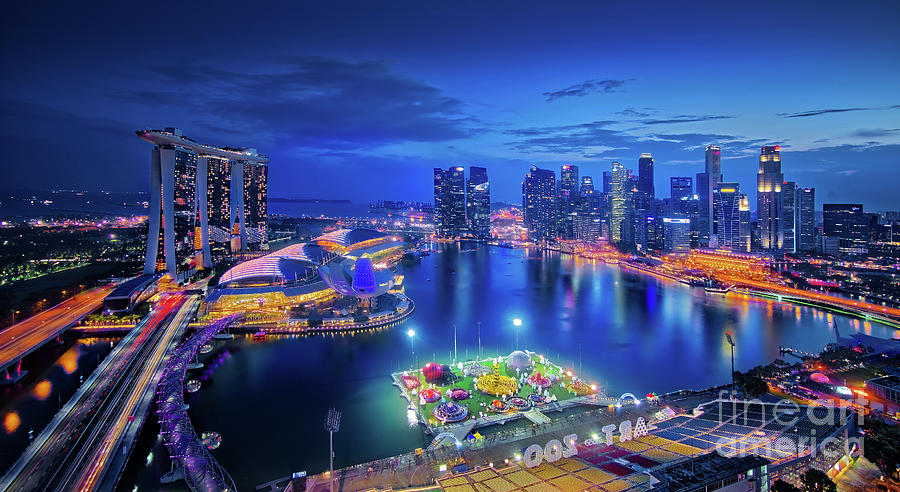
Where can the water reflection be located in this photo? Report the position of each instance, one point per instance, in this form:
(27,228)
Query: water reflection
(625,331)
(42,390)
(11,422)
(69,360)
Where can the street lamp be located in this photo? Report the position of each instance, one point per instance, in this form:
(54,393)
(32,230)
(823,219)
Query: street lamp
(517,322)
(731,342)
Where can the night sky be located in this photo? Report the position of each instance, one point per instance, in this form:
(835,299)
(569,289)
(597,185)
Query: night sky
(359,100)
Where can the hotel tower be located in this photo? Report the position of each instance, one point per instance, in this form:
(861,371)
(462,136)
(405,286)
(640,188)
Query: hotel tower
(222,188)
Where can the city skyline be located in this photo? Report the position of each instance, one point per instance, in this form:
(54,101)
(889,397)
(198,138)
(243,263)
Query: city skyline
(549,93)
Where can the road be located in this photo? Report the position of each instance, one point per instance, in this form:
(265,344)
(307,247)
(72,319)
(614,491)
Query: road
(75,450)
(25,336)
(861,306)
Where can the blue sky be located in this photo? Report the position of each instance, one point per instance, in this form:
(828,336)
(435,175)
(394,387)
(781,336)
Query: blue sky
(360,100)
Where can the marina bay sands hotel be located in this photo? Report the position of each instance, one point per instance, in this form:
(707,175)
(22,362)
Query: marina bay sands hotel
(205,202)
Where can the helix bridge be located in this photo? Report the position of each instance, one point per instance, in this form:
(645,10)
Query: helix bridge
(187,450)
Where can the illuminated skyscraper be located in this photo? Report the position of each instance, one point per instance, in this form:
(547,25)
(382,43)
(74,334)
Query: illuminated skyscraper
(806,219)
(183,189)
(769,206)
(681,188)
(450,198)
(539,204)
(645,175)
(677,234)
(567,200)
(589,225)
(218,204)
(478,203)
(618,185)
(789,216)
(706,183)
(848,223)
(256,201)
(728,199)
(438,201)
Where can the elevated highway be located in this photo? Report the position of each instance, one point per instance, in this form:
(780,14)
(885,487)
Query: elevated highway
(87,443)
(26,336)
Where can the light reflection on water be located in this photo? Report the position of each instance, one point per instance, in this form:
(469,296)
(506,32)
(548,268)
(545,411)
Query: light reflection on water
(625,331)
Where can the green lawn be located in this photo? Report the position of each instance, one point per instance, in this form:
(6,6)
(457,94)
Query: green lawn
(476,397)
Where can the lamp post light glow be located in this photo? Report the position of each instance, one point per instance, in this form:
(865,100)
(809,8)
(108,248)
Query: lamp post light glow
(412,352)
(517,322)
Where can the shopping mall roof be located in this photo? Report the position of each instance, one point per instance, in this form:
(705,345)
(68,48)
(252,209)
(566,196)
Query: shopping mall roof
(286,264)
(349,237)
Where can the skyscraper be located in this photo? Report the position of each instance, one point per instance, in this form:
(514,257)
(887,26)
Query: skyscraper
(645,175)
(728,197)
(848,223)
(539,204)
(806,219)
(677,234)
(589,225)
(618,183)
(450,198)
(746,231)
(681,190)
(567,200)
(215,209)
(706,183)
(439,202)
(188,182)
(478,203)
(789,207)
(769,206)
(256,201)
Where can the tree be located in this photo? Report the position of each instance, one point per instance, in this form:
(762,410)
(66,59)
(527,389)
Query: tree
(751,384)
(817,481)
(882,446)
(782,486)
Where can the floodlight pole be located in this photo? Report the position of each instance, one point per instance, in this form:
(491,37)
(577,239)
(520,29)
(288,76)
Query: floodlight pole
(731,343)
(332,425)
(454,342)
(479,340)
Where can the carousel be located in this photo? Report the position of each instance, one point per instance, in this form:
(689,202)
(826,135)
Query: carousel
(459,394)
(430,395)
(518,403)
(450,411)
(497,406)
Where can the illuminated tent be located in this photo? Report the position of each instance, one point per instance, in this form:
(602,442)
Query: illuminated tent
(433,371)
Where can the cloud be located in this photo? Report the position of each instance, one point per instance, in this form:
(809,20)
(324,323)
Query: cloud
(596,139)
(587,87)
(635,113)
(876,132)
(312,102)
(684,118)
(818,112)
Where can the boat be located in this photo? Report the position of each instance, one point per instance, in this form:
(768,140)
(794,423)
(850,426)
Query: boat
(259,336)
(716,288)
(192,386)
(206,348)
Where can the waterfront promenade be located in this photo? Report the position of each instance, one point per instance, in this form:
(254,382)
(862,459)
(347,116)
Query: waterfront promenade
(499,448)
